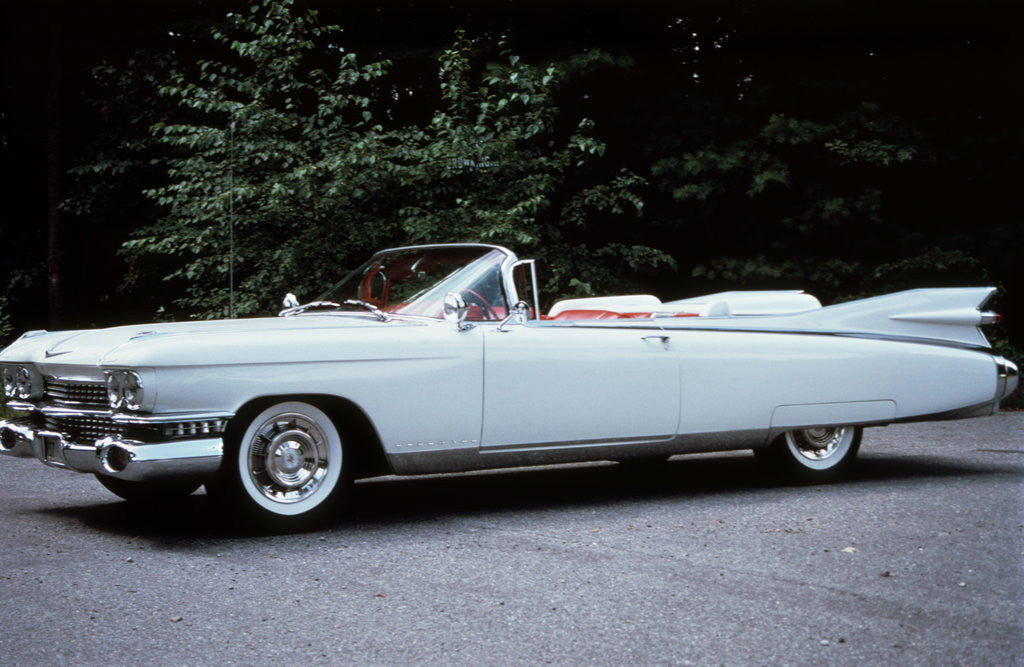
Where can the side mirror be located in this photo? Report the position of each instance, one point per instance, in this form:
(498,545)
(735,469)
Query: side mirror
(520,313)
(456,310)
(290,301)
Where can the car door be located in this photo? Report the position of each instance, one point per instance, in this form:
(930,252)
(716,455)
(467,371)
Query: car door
(550,385)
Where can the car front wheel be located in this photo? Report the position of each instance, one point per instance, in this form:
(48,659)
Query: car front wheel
(287,468)
(814,454)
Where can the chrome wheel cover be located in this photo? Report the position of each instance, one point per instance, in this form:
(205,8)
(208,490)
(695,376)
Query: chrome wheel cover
(820,448)
(288,458)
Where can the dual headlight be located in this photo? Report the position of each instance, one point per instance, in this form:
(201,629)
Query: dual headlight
(124,390)
(20,383)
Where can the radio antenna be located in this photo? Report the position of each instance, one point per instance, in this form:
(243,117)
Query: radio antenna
(231,218)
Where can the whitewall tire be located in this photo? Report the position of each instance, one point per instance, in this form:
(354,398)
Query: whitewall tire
(289,466)
(814,454)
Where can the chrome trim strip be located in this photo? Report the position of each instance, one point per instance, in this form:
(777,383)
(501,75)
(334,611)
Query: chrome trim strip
(611,324)
(57,411)
(170,418)
(121,417)
(463,459)
(598,442)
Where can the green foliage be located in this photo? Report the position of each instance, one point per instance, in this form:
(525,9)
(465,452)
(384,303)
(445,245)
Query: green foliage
(280,157)
(494,166)
(751,166)
(5,323)
(278,160)
(820,173)
(810,196)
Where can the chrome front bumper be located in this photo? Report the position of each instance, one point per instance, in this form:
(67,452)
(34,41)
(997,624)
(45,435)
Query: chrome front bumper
(125,459)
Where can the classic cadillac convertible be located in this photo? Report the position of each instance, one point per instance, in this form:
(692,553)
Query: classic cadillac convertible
(438,358)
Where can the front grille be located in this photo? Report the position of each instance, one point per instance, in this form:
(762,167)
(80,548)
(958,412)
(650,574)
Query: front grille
(77,393)
(86,429)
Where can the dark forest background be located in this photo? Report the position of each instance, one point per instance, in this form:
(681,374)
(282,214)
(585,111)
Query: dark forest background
(846,148)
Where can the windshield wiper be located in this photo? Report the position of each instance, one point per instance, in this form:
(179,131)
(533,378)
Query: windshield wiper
(377,312)
(295,310)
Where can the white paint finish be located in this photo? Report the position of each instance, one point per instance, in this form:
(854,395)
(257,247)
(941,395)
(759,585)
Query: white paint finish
(735,303)
(877,316)
(427,387)
(546,384)
(814,414)
(417,384)
(736,380)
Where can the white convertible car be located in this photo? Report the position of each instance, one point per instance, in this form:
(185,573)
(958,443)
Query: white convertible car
(438,358)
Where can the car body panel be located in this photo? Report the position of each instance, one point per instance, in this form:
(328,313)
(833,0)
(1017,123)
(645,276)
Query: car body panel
(580,385)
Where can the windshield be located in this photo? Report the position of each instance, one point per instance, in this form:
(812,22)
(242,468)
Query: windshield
(414,281)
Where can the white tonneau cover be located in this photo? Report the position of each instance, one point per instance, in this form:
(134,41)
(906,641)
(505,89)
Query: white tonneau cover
(722,304)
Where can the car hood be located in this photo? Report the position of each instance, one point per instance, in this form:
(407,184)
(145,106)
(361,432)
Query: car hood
(90,347)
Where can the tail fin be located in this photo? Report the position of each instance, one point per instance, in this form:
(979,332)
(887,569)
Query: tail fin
(951,314)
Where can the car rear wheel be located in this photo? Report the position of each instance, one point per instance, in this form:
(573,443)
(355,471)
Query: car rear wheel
(287,468)
(814,454)
(148,492)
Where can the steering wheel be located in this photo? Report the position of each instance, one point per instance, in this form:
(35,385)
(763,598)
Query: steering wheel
(474,299)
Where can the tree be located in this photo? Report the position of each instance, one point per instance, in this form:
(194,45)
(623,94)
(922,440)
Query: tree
(497,163)
(274,169)
(809,197)
(284,174)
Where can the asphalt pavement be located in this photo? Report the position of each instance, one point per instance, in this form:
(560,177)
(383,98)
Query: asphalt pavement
(917,558)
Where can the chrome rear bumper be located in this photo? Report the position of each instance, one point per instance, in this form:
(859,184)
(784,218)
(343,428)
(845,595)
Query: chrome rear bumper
(1007,377)
(125,459)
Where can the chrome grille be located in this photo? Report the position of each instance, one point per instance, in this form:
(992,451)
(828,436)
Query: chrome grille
(85,428)
(82,428)
(76,392)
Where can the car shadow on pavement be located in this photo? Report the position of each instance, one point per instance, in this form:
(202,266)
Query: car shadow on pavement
(385,501)
(391,500)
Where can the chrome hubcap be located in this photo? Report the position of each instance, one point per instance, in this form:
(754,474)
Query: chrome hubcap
(817,444)
(288,458)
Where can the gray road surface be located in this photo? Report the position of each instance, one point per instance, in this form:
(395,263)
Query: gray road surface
(917,559)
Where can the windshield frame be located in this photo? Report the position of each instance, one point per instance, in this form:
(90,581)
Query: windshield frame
(507,287)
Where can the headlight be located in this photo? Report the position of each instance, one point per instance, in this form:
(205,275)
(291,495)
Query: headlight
(115,389)
(9,378)
(18,383)
(132,384)
(124,389)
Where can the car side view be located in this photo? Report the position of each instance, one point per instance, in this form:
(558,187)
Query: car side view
(438,359)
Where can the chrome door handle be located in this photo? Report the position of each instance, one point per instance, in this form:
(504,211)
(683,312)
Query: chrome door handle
(663,338)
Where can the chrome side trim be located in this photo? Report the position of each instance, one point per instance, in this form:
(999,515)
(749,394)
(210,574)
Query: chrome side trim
(667,325)
(600,442)
(170,418)
(464,459)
